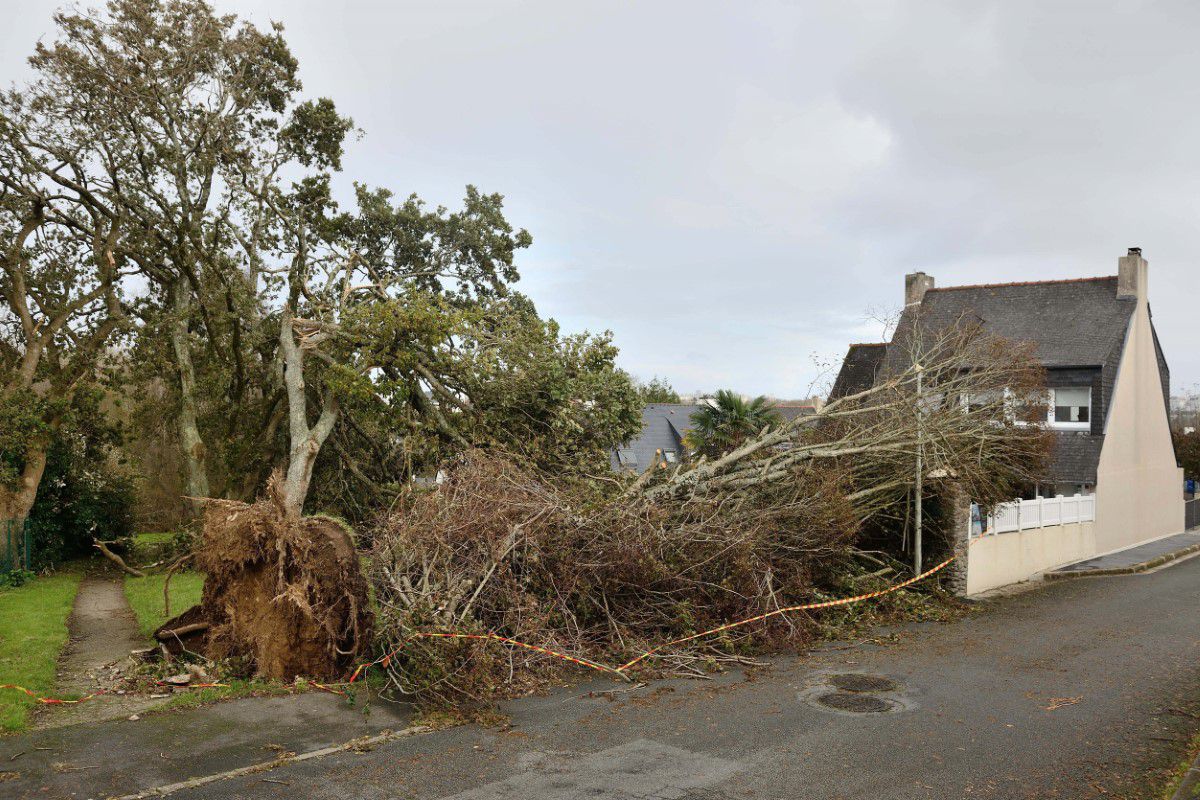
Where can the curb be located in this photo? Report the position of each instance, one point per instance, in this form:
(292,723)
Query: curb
(363,743)
(1189,787)
(1132,569)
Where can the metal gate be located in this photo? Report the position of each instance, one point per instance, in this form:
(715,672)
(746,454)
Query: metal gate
(1192,513)
(16,543)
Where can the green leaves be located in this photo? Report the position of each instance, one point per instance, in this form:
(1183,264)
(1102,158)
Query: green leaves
(315,133)
(658,390)
(23,418)
(727,421)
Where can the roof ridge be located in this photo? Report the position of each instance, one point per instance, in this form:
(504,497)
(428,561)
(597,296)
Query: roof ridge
(1023,283)
(868,344)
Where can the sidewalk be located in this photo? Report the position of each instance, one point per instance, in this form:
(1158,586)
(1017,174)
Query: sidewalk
(115,757)
(1135,559)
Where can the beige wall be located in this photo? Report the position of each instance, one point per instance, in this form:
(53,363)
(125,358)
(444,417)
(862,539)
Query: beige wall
(1139,488)
(1005,558)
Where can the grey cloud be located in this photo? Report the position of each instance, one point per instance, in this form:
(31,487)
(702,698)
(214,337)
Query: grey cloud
(733,187)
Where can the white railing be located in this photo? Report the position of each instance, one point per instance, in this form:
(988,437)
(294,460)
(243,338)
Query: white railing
(1044,512)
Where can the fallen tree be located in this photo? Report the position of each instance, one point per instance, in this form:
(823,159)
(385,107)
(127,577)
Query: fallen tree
(605,573)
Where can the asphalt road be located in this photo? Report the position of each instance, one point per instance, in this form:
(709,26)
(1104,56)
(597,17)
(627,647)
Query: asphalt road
(1086,688)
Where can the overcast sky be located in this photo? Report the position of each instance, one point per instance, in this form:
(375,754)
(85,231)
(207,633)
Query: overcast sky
(736,190)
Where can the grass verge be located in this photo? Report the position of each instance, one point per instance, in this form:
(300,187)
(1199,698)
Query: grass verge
(1170,785)
(33,631)
(234,688)
(145,597)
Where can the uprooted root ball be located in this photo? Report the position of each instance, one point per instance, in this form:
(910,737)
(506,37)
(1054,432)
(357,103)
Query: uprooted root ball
(286,597)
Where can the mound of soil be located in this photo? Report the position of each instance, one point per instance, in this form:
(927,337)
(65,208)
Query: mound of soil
(287,597)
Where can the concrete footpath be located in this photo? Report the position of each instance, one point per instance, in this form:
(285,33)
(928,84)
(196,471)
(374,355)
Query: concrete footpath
(1135,559)
(121,757)
(1077,689)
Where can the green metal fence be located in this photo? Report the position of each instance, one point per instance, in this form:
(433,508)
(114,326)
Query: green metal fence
(16,545)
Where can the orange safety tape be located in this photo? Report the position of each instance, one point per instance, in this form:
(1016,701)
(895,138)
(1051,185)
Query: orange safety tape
(805,607)
(385,659)
(50,701)
(327,688)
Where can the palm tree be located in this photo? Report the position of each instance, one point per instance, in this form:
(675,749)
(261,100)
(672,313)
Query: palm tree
(726,421)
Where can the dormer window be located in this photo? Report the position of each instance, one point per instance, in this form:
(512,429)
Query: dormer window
(1071,407)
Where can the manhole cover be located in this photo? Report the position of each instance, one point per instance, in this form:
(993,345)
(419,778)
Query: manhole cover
(854,703)
(856,682)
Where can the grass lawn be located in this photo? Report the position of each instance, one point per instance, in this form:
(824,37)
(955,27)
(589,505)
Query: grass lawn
(146,597)
(33,630)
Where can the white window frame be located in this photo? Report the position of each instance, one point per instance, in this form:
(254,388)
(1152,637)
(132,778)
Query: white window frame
(1068,426)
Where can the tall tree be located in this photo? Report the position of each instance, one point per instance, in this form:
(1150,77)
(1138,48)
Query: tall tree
(175,118)
(64,256)
(173,142)
(366,300)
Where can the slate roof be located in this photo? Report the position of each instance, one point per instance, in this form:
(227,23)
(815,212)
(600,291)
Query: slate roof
(1075,457)
(858,369)
(665,424)
(663,427)
(1073,323)
(1078,328)
(789,413)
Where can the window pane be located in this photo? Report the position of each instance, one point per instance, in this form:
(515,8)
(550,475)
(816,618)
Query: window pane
(1072,404)
(1074,396)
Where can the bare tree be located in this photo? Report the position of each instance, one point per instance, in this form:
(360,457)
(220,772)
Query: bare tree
(972,418)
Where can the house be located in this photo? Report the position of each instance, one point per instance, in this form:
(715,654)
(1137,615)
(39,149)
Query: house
(1114,481)
(664,426)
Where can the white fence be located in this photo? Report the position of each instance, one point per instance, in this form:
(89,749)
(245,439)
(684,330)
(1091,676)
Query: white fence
(1023,515)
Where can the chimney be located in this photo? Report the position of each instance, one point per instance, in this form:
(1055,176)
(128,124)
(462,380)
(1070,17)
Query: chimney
(916,284)
(1132,275)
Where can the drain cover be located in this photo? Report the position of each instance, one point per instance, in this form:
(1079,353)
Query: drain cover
(854,703)
(857,682)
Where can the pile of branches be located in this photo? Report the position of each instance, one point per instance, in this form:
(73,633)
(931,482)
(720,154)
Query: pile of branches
(604,570)
(500,548)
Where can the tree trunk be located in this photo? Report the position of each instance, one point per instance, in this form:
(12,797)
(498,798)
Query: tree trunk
(304,442)
(16,503)
(195,454)
(301,460)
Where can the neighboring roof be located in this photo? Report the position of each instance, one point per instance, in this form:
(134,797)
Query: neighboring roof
(858,369)
(665,424)
(663,427)
(789,413)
